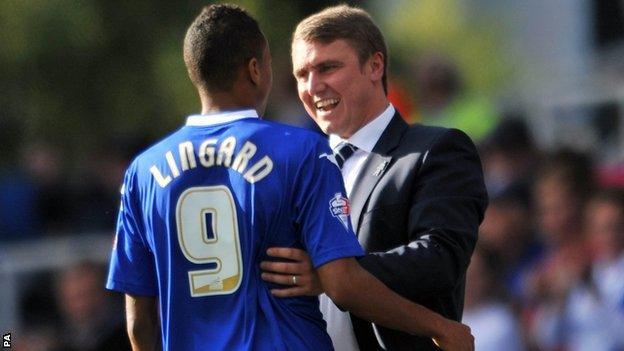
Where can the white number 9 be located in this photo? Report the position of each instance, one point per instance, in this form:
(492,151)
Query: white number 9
(208,233)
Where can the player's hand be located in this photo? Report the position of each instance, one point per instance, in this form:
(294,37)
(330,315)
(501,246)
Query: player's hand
(306,281)
(455,336)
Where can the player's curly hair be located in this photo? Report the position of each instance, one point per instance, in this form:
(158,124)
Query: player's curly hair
(221,40)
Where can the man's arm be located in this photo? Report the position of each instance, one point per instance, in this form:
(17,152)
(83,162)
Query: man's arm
(356,290)
(142,322)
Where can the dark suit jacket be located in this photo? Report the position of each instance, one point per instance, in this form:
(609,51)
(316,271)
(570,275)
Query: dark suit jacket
(416,207)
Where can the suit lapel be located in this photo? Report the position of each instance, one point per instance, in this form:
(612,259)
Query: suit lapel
(375,166)
(372,170)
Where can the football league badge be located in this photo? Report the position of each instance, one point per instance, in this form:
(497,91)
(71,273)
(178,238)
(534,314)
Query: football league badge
(339,208)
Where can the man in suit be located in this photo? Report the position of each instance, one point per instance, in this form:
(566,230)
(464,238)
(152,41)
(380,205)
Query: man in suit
(417,193)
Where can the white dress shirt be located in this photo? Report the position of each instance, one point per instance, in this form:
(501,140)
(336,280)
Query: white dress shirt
(338,323)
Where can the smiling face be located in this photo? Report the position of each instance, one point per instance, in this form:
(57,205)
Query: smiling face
(340,94)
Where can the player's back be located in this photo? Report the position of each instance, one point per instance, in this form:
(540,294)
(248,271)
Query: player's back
(207,202)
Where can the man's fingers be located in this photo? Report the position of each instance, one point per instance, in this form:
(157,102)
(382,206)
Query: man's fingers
(289,292)
(278,278)
(282,267)
(287,252)
(472,344)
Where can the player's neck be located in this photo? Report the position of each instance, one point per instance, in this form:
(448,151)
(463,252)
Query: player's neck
(225,101)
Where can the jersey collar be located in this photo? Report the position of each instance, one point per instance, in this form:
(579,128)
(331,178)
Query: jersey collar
(220,117)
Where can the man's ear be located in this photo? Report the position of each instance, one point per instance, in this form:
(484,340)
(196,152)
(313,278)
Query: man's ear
(253,67)
(377,66)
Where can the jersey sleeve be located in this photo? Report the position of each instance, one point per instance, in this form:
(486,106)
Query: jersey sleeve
(131,268)
(323,208)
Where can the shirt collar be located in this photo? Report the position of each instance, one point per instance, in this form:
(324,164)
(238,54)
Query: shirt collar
(220,117)
(366,137)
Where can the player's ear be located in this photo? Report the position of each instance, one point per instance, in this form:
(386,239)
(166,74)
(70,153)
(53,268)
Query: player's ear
(253,67)
(377,64)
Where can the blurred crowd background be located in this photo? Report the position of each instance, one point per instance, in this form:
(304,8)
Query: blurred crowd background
(537,84)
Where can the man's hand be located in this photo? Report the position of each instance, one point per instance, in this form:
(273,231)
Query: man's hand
(306,281)
(455,336)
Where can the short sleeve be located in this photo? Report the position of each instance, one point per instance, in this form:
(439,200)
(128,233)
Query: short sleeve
(131,268)
(322,208)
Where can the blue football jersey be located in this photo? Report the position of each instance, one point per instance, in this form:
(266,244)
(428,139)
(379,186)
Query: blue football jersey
(199,210)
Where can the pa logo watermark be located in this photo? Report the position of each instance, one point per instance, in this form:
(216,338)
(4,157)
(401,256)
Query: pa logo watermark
(6,341)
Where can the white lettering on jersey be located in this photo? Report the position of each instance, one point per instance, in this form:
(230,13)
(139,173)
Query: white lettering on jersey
(187,158)
(162,181)
(260,170)
(225,152)
(172,165)
(209,157)
(241,160)
(207,152)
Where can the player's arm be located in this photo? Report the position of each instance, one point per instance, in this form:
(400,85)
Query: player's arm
(354,289)
(142,322)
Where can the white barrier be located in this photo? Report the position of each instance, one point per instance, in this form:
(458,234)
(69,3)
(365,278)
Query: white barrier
(19,259)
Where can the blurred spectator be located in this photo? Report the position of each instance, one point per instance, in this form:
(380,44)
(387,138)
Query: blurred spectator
(97,197)
(509,156)
(18,195)
(561,187)
(43,164)
(443,101)
(34,195)
(588,312)
(19,218)
(91,319)
(604,219)
(492,321)
(96,200)
(38,196)
(38,314)
(508,230)
(37,338)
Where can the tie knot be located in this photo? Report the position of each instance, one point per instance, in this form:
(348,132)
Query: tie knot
(343,151)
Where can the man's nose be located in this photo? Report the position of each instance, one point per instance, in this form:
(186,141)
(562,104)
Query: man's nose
(315,84)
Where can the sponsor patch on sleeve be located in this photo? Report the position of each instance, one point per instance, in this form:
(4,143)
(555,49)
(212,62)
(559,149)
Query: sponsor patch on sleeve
(340,209)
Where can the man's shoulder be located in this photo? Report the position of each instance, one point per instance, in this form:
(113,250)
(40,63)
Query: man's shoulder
(426,130)
(426,135)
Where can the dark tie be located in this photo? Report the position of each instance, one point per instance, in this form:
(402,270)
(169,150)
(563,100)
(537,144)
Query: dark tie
(342,152)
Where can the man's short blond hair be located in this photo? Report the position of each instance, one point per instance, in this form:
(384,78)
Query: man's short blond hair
(351,24)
